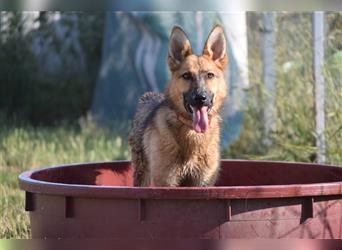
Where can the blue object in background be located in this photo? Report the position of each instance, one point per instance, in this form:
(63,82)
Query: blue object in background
(134,61)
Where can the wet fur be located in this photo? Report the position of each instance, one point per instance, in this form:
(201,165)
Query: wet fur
(166,151)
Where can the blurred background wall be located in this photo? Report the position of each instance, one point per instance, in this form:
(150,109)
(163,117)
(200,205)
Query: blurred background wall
(134,53)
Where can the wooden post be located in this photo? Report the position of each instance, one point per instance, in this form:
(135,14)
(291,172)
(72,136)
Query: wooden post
(318,61)
(268,41)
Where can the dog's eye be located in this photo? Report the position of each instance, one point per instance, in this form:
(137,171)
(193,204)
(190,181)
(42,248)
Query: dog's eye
(210,75)
(187,76)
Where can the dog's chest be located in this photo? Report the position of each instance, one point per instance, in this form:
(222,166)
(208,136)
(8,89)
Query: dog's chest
(194,165)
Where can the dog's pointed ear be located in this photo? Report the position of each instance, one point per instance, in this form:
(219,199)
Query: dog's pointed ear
(179,47)
(216,47)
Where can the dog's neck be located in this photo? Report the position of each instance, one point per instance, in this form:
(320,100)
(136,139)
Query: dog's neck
(185,121)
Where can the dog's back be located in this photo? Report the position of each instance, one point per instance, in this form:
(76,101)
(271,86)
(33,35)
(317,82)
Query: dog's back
(146,109)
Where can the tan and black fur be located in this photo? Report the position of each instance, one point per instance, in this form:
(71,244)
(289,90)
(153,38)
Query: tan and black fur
(166,149)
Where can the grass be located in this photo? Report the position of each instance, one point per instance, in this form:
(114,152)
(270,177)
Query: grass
(23,147)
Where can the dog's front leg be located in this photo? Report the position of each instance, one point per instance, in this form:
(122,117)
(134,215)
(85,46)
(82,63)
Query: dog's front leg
(164,175)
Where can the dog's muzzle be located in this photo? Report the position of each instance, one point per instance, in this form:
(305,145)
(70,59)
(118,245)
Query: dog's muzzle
(198,104)
(201,98)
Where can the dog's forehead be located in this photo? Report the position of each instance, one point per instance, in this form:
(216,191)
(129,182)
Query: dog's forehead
(196,63)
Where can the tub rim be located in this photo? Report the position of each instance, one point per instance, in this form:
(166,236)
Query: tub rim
(218,192)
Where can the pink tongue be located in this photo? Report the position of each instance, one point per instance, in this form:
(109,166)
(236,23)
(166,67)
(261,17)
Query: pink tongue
(200,119)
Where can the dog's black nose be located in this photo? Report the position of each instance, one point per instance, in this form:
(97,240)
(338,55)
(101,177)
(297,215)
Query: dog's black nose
(200,98)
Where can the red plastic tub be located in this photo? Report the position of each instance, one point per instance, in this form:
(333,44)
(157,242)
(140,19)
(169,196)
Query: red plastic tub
(253,199)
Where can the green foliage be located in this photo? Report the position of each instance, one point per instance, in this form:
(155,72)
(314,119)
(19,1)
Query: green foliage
(29,94)
(294,137)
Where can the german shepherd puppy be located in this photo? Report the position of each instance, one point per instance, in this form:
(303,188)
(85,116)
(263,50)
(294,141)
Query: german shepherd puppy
(175,136)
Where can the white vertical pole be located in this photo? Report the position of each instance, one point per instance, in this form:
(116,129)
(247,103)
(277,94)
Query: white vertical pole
(268,41)
(199,31)
(318,60)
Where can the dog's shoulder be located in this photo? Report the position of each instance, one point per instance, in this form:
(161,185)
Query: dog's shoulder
(148,105)
(151,98)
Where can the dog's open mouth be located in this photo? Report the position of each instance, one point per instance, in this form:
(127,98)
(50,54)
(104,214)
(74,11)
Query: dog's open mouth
(200,120)
(199,111)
